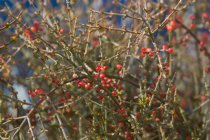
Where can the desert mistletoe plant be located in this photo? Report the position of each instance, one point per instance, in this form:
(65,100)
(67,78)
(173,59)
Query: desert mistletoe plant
(76,70)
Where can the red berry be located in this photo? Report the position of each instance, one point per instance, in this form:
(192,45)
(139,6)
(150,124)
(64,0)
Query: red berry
(33,94)
(184,103)
(36,23)
(61,31)
(101,97)
(30,37)
(142,55)
(151,54)
(202,43)
(205,36)
(114,93)
(49,119)
(75,128)
(49,112)
(102,76)
(104,85)
(27,32)
(104,68)
(109,81)
(39,91)
(121,124)
(170,50)
(95,43)
(118,66)
(81,84)
(98,68)
(120,103)
(121,110)
(157,119)
(55,81)
(106,79)
(124,116)
(128,135)
(107,85)
(169,28)
(149,49)
(192,17)
(192,26)
(186,38)
(33,29)
(143,50)
(203,97)
(88,86)
(62,99)
(205,15)
(68,96)
(173,24)
(165,47)
(120,87)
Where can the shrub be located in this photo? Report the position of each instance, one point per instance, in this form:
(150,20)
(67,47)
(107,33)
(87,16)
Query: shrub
(140,71)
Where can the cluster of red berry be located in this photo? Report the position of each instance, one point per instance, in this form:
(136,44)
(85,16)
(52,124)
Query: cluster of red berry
(151,53)
(104,80)
(33,29)
(37,92)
